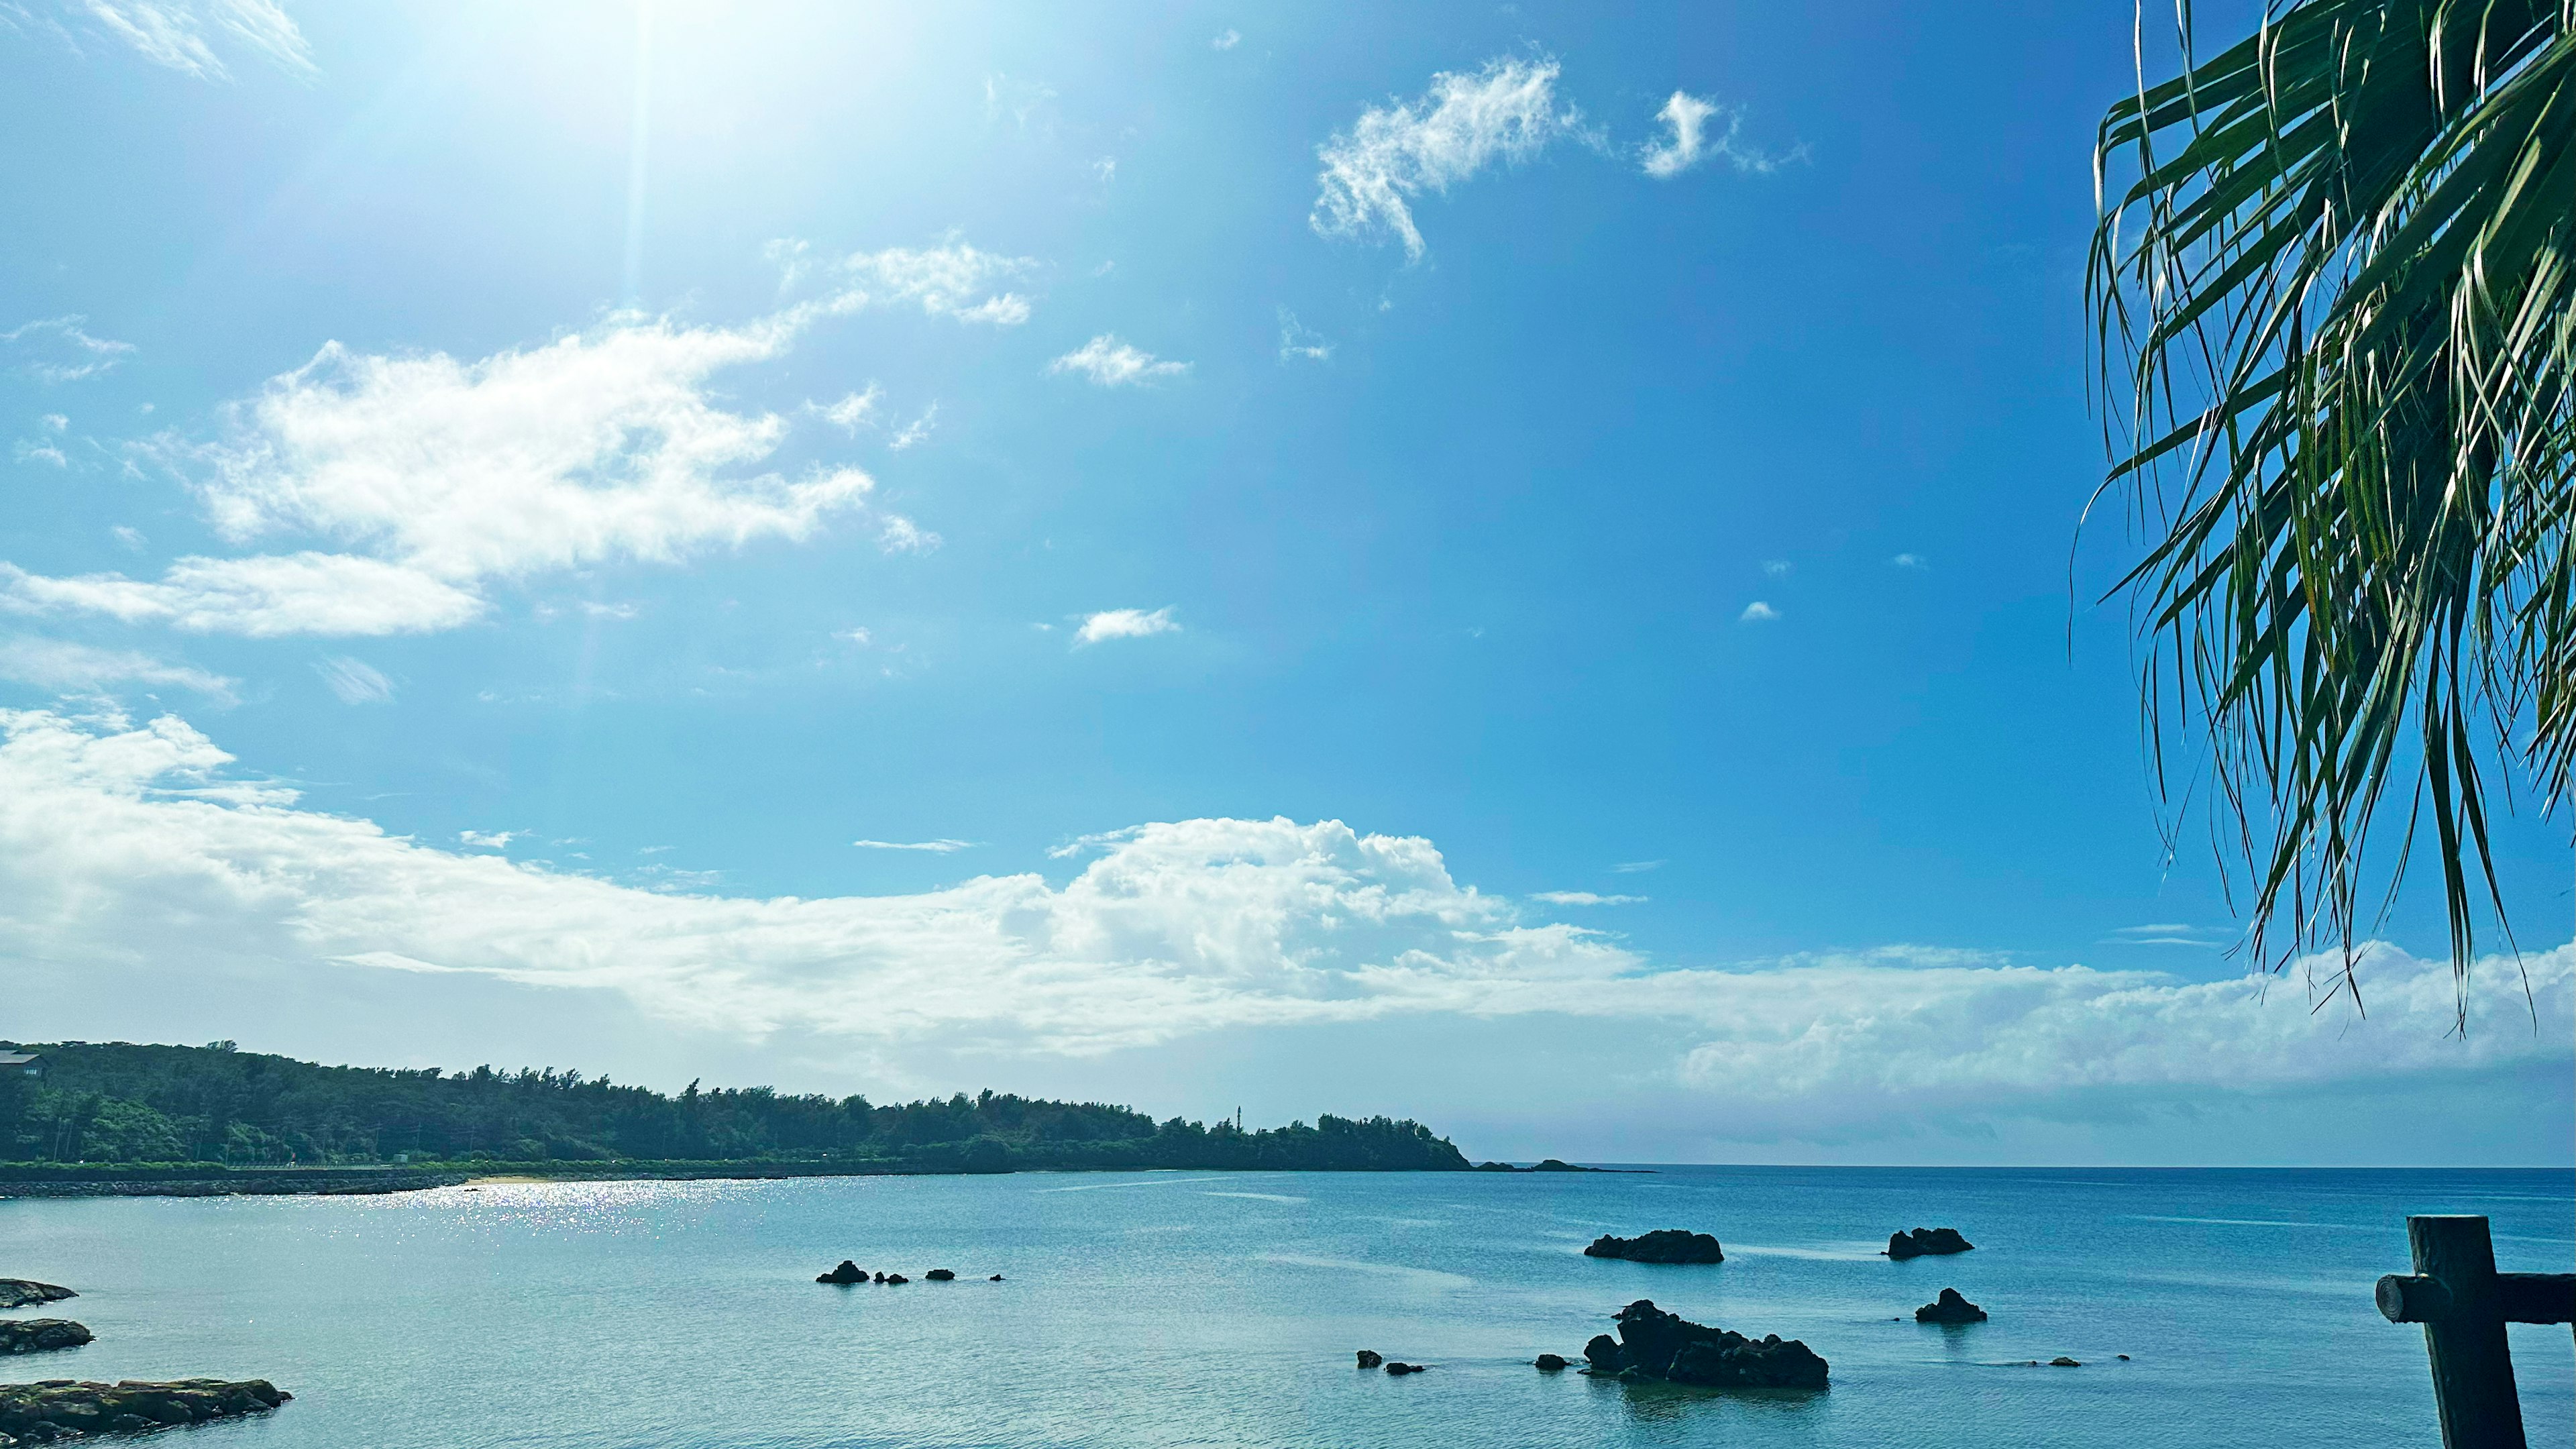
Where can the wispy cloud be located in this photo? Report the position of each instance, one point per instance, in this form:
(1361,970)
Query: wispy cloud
(1505,113)
(1299,343)
(59,350)
(179,34)
(1585,898)
(950,280)
(1125,624)
(354,681)
(1226,40)
(1777,568)
(1634,867)
(65,667)
(489,839)
(449,477)
(916,432)
(933,847)
(1689,140)
(1757,612)
(1112,363)
(1911,561)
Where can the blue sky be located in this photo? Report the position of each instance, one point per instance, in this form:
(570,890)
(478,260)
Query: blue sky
(1516,565)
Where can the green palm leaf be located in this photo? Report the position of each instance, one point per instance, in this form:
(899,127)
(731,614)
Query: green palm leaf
(2334,327)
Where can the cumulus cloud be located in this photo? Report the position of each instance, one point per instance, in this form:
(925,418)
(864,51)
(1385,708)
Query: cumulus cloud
(1757,612)
(1125,624)
(354,681)
(134,842)
(951,280)
(447,476)
(1112,363)
(1505,112)
(63,666)
(182,34)
(58,349)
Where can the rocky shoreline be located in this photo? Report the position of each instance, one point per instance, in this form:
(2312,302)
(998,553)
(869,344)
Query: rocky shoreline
(58,1409)
(39,1335)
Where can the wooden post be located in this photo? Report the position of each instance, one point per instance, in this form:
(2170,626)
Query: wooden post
(2464,1333)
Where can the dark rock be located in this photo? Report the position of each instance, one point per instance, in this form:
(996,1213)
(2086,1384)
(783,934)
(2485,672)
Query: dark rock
(895,1278)
(1371,1358)
(1949,1308)
(1925,1241)
(34,1335)
(2062,1361)
(2124,1358)
(996,1278)
(1551,1363)
(1399,1370)
(940,1275)
(1655,1344)
(880,1277)
(1664,1245)
(19,1292)
(41,1413)
(848,1272)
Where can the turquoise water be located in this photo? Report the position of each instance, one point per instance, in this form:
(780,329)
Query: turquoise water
(1208,1309)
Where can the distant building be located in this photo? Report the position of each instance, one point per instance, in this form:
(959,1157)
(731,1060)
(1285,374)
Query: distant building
(23,1064)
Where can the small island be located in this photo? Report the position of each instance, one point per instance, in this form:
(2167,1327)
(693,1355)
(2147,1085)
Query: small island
(36,1335)
(1925,1242)
(1655,1344)
(40,1413)
(21,1292)
(1664,1245)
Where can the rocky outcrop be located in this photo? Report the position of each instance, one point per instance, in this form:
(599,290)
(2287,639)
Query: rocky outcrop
(941,1275)
(2062,1361)
(1664,1245)
(893,1278)
(1659,1345)
(19,1292)
(848,1272)
(1371,1358)
(35,1335)
(41,1413)
(1549,1363)
(1949,1308)
(1399,1370)
(1923,1242)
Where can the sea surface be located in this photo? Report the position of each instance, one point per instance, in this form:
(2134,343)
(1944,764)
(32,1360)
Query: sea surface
(1216,1309)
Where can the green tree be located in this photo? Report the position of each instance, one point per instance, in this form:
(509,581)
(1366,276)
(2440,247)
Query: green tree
(2333,316)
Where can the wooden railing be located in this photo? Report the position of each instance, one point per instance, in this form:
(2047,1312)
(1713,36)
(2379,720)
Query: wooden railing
(2464,1304)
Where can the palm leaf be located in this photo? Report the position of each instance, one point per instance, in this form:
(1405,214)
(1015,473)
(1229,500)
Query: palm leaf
(2333,316)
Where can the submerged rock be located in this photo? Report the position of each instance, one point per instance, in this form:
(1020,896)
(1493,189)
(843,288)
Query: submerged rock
(35,1335)
(1549,1363)
(848,1272)
(1923,1242)
(940,1275)
(1371,1358)
(1949,1308)
(1655,1344)
(1664,1245)
(19,1292)
(60,1409)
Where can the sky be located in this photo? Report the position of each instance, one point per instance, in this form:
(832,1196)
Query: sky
(1520,566)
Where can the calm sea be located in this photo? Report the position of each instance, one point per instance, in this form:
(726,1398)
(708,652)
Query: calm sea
(1208,1309)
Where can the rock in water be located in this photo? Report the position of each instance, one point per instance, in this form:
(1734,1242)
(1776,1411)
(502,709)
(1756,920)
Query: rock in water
(894,1278)
(1663,1345)
(1925,1241)
(940,1275)
(1949,1308)
(19,1292)
(34,1335)
(848,1272)
(1371,1358)
(1551,1363)
(1399,1370)
(59,1408)
(1664,1245)
(2062,1361)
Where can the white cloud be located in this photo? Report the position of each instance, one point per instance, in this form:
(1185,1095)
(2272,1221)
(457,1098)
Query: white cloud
(1757,612)
(131,538)
(489,839)
(1297,342)
(70,668)
(1686,117)
(934,847)
(852,412)
(28,450)
(55,423)
(1778,568)
(1112,363)
(902,535)
(1227,40)
(1911,561)
(1633,867)
(944,281)
(175,33)
(1124,624)
(354,681)
(1505,112)
(1106,168)
(914,433)
(122,843)
(61,351)
(450,476)
(1585,898)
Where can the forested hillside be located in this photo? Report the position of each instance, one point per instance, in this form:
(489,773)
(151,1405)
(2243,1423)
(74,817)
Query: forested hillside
(120,1103)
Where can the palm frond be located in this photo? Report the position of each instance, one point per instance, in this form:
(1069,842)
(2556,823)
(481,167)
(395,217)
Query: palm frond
(2333,321)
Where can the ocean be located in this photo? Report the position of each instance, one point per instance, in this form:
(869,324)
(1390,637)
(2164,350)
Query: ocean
(1174,1309)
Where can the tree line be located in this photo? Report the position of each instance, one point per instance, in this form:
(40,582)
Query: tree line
(117,1102)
